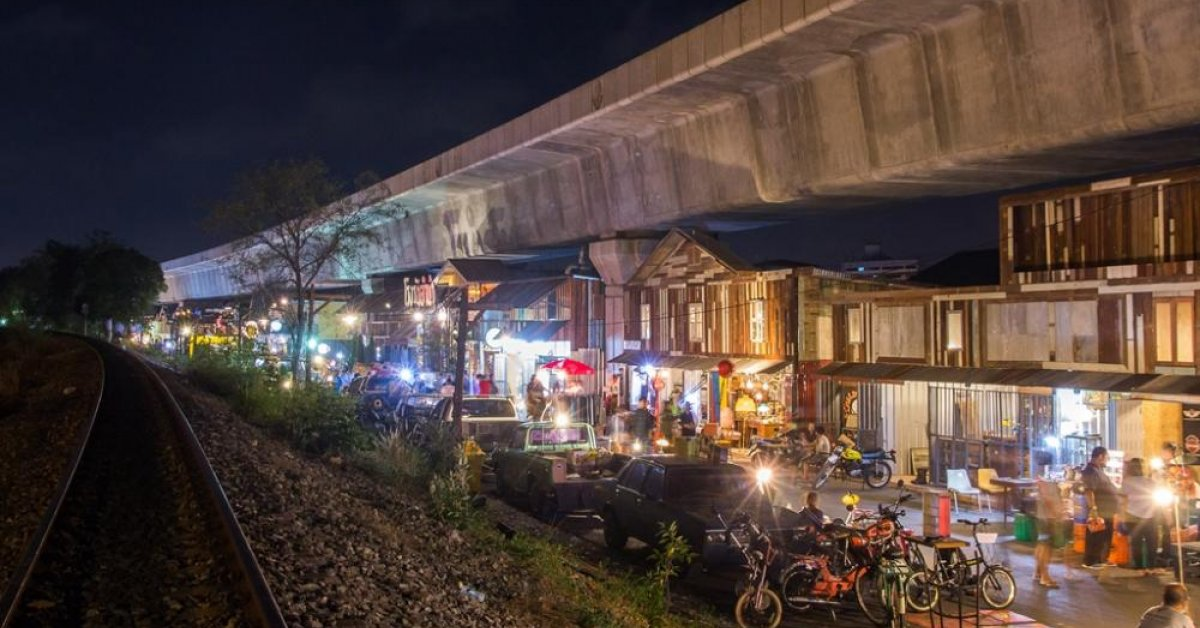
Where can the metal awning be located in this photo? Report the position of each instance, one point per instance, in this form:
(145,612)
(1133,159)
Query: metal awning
(667,360)
(516,294)
(1047,378)
(539,331)
(758,366)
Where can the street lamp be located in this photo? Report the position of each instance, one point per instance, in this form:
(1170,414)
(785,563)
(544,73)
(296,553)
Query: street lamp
(1165,497)
(418,317)
(350,319)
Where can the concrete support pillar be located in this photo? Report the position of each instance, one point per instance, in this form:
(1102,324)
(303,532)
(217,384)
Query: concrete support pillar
(617,260)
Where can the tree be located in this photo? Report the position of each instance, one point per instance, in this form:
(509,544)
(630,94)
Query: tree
(119,283)
(293,223)
(62,284)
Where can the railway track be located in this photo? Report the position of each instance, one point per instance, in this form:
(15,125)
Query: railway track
(142,535)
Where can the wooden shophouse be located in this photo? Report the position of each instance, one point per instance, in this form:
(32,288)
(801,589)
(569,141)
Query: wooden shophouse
(1089,339)
(694,304)
(523,316)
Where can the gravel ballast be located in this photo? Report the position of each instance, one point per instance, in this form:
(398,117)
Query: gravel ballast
(339,548)
(48,390)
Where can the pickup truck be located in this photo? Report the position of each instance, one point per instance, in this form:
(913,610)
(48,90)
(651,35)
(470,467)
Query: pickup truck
(489,420)
(661,489)
(555,466)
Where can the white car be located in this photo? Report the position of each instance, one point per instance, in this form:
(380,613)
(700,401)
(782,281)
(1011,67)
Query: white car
(487,419)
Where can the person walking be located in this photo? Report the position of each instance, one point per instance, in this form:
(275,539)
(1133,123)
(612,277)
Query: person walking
(1102,502)
(1172,613)
(1050,515)
(1141,515)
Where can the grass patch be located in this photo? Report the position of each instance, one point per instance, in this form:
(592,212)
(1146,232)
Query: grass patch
(314,418)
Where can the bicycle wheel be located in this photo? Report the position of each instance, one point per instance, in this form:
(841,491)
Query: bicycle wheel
(765,612)
(920,592)
(871,591)
(998,587)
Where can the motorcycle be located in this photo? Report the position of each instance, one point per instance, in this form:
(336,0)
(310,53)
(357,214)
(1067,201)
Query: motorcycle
(845,560)
(375,414)
(757,605)
(847,461)
(776,452)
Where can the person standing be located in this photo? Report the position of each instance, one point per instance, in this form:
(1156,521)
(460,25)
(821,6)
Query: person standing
(1102,504)
(669,417)
(1141,515)
(641,422)
(687,421)
(1172,613)
(535,399)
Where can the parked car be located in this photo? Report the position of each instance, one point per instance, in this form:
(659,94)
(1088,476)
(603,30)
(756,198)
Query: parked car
(488,420)
(555,466)
(658,490)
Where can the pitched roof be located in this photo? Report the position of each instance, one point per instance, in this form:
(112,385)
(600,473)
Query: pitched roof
(678,238)
(486,271)
(517,294)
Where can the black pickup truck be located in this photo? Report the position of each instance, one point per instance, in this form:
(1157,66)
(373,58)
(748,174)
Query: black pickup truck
(690,492)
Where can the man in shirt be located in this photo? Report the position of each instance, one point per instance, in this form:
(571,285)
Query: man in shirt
(641,422)
(811,516)
(821,449)
(1172,613)
(1102,499)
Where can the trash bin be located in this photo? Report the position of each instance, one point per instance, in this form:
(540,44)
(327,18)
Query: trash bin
(943,516)
(1024,528)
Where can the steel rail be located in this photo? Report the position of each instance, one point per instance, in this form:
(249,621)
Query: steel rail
(20,579)
(254,583)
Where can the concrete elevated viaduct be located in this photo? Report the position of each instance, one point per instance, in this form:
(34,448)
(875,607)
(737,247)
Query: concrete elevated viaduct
(781,106)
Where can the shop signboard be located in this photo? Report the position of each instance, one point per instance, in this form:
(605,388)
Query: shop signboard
(1191,433)
(848,393)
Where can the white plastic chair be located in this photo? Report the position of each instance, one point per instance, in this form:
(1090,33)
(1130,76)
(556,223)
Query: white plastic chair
(959,483)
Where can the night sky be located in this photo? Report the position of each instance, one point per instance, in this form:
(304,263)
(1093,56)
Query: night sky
(134,117)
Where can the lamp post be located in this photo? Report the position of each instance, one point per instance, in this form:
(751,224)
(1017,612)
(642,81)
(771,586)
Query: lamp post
(1166,497)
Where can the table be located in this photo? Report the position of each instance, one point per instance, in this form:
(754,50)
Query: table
(1011,484)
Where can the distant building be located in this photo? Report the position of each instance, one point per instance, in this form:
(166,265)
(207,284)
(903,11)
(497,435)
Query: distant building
(874,264)
(965,268)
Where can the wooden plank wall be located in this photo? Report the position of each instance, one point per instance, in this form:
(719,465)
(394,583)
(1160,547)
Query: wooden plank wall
(1149,230)
(726,317)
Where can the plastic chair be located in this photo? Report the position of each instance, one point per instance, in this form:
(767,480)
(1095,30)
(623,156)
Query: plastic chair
(959,483)
(984,480)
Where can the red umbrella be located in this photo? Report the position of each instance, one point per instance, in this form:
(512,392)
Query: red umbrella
(572,367)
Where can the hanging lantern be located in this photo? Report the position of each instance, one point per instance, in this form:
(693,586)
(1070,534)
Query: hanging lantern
(725,368)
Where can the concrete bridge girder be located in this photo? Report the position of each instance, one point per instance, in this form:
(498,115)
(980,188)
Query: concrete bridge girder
(954,101)
(862,101)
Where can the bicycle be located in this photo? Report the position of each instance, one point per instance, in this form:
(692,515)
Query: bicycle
(887,582)
(955,573)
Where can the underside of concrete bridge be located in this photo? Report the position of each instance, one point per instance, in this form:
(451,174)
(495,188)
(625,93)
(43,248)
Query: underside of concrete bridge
(784,106)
